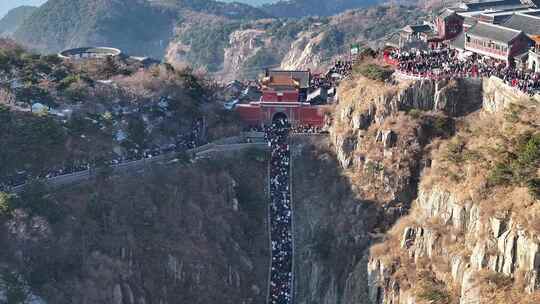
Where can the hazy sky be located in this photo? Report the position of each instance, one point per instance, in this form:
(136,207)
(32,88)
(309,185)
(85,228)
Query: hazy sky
(6,5)
(252,2)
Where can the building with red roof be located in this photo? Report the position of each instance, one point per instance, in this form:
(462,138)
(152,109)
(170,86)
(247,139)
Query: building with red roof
(283,97)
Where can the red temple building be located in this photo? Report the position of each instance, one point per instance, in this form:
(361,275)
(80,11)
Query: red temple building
(283,97)
(496,41)
(448,25)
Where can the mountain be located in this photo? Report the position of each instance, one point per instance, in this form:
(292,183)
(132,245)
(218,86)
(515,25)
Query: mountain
(14,18)
(242,50)
(7,5)
(134,26)
(253,2)
(233,10)
(302,8)
(138,27)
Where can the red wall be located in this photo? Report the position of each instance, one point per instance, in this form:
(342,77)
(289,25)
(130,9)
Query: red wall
(250,114)
(271,96)
(302,114)
(312,115)
(444,27)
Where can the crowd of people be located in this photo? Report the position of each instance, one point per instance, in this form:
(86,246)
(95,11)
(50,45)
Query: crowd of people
(183,142)
(445,63)
(341,67)
(294,129)
(306,129)
(337,72)
(281,273)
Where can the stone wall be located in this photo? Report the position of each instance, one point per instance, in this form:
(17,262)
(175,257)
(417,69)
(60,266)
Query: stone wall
(497,95)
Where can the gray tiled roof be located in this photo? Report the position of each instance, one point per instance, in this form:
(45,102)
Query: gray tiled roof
(493,32)
(446,13)
(470,20)
(496,18)
(529,25)
(392,40)
(495,5)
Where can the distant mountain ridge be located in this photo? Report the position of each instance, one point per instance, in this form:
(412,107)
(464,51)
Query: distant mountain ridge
(144,27)
(302,8)
(60,24)
(14,18)
(139,27)
(234,39)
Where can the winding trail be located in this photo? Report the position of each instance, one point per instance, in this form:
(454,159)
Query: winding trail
(235,143)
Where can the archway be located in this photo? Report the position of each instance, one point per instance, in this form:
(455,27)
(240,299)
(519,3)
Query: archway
(280,116)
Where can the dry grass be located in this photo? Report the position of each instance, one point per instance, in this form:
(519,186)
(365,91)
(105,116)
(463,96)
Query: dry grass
(360,93)
(429,289)
(465,164)
(496,288)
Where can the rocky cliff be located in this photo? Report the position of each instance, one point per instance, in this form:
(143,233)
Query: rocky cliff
(246,50)
(380,131)
(348,188)
(497,96)
(302,53)
(331,228)
(461,207)
(468,256)
(189,234)
(472,235)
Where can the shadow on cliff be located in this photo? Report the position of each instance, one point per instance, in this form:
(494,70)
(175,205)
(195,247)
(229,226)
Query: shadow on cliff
(332,228)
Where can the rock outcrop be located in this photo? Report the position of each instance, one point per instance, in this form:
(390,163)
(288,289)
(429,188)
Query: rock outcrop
(452,245)
(331,228)
(465,241)
(454,97)
(380,151)
(498,95)
(302,54)
(469,238)
(243,44)
(375,139)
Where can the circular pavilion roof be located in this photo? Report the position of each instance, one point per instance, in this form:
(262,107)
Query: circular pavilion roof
(90,52)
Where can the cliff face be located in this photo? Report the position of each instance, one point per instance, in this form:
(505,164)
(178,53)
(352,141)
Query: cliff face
(464,248)
(472,234)
(247,52)
(497,96)
(432,166)
(380,131)
(194,234)
(350,187)
(331,228)
(302,54)
(243,45)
